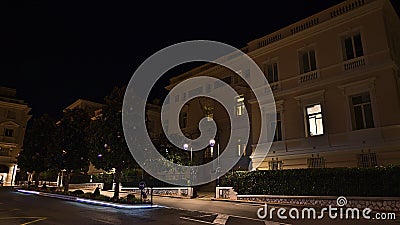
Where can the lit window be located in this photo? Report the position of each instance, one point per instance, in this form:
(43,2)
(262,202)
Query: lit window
(275,165)
(362,111)
(307,61)
(367,160)
(318,162)
(271,71)
(8,132)
(352,47)
(209,113)
(314,120)
(240,105)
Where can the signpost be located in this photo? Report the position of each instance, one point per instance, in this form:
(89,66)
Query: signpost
(142,185)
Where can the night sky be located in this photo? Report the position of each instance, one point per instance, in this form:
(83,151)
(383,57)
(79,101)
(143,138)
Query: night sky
(54,52)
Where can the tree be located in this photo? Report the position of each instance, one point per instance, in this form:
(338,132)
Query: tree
(72,152)
(106,141)
(39,143)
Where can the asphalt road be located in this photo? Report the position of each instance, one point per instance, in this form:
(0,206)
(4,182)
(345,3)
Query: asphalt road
(24,209)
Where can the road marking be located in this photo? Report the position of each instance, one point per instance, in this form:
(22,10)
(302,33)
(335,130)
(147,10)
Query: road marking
(7,210)
(221,219)
(34,221)
(37,219)
(200,211)
(190,219)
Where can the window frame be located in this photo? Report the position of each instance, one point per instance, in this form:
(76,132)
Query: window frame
(301,53)
(7,134)
(308,117)
(240,105)
(351,35)
(362,106)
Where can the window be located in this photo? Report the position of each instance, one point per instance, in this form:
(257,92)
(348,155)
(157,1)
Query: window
(8,132)
(314,120)
(176,98)
(307,61)
(271,71)
(278,128)
(209,112)
(362,111)
(275,165)
(240,105)
(316,162)
(11,114)
(352,47)
(367,160)
(183,120)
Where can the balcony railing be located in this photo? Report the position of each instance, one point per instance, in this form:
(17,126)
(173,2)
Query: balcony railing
(5,152)
(354,63)
(275,86)
(308,77)
(7,139)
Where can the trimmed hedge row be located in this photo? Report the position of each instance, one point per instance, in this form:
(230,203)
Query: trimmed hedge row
(378,182)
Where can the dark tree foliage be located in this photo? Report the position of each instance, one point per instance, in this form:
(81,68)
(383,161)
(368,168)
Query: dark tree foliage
(39,145)
(72,152)
(106,141)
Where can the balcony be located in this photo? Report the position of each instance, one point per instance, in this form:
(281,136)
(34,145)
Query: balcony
(7,139)
(308,77)
(354,63)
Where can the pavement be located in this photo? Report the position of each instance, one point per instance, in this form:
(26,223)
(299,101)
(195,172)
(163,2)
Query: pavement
(24,209)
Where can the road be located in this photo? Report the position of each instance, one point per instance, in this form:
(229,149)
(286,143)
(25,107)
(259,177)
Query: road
(24,209)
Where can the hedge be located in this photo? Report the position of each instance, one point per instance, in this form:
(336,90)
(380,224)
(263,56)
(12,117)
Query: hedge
(378,182)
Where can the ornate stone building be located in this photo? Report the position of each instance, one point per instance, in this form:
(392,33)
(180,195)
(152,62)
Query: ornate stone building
(14,115)
(336,82)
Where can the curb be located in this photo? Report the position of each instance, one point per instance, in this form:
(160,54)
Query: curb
(88,201)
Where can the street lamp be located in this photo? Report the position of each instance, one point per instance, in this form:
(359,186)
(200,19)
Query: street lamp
(186,147)
(212,143)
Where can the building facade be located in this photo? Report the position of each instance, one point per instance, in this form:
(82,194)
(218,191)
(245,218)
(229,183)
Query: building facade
(336,83)
(14,115)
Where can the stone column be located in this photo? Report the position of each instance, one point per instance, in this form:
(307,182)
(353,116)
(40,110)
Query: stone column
(10,181)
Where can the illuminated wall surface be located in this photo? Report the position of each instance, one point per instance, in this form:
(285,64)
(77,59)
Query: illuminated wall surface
(336,84)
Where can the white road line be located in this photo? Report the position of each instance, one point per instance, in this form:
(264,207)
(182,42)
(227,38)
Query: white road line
(221,219)
(190,219)
(213,213)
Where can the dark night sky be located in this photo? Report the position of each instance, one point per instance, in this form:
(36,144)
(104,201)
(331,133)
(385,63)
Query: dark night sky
(54,52)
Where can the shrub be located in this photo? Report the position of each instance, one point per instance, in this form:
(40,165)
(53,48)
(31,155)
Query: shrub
(77,193)
(96,192)
(374,182)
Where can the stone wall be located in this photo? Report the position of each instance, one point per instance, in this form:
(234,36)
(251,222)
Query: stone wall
(390,204)
(185,192)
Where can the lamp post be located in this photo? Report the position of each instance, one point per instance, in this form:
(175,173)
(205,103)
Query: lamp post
(218,165)
(212,143)
(186,147)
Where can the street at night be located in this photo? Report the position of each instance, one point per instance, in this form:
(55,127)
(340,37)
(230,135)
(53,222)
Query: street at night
(19,208)
(220,113)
